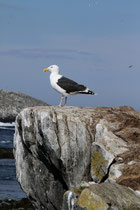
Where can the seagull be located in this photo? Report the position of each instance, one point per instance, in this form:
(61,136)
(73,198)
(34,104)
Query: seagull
(64,85)
(130,66)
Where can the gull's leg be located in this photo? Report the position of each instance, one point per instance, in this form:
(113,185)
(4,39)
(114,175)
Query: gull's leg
(61,101)
(65,100)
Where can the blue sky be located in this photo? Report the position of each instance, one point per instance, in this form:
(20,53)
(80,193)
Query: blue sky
(93,41)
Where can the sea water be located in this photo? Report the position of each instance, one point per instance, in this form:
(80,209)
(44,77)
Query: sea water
(9,187)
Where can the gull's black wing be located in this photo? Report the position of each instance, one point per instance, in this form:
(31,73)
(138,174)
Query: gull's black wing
(70,86)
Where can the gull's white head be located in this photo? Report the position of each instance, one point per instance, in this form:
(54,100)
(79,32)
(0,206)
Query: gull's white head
(52,68)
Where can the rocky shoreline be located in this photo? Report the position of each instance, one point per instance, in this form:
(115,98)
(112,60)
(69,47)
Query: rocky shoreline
(81,157)
(23,204)
(11,103)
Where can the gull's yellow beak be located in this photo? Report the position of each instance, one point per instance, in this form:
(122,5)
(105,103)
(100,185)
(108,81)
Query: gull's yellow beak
(45,69)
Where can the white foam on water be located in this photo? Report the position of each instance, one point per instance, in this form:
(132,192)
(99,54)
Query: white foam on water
(2,124)
(9,126)
(5,142)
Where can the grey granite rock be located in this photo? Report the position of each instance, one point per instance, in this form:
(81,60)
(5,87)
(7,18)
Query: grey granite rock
(11,103)
(57,149)
(117,196)
(110,196)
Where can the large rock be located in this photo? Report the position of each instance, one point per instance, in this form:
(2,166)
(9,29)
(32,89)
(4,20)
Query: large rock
(60,149)
(11,103)
(109,196)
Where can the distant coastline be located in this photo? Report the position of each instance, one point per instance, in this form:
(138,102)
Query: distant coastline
(11,103)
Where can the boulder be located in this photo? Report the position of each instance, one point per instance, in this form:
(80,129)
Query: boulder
(108,196)
(61,152)
(11,103)
(90,200)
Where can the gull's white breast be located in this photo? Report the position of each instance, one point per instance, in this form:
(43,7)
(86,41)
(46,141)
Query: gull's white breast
(53,80)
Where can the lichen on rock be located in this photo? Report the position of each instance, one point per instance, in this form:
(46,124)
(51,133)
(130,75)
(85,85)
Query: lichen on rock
(97,166)
(91,201)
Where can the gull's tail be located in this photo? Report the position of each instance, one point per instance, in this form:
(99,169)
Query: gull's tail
(87,91)
(91,92)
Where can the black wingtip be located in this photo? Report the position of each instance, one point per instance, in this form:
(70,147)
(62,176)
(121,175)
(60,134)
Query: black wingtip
(91,92)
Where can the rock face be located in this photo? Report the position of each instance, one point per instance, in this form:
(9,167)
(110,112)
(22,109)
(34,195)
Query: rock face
(11,103)
(79,158)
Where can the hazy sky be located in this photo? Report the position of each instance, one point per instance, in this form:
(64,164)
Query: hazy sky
(95,42)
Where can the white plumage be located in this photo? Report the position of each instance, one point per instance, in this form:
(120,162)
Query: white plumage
(64,85)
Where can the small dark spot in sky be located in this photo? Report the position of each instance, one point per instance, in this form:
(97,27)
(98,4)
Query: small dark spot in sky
(130,66)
